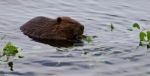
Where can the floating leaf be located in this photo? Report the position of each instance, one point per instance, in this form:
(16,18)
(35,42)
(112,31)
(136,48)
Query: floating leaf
(136,25)
(10,50)
(148,35)
(142,36)
(112,27)
(88,39)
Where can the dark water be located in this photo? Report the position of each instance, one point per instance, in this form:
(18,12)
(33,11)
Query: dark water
(110,54)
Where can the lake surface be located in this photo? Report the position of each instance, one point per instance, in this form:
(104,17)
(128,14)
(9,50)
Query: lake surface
(110,54)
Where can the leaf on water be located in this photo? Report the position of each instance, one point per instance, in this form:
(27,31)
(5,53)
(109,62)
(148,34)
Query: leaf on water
(10,49)
(148,35)
(136,25)
(142,36)
(88,39)
(112,27)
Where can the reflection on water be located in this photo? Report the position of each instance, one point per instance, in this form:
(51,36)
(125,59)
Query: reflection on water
(110,54)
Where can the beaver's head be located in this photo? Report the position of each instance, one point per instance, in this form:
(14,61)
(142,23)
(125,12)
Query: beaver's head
(71,28)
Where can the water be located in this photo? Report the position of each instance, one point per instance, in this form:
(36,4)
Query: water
(111,53)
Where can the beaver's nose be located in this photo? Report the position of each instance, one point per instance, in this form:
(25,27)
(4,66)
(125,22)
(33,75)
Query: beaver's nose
(82,28)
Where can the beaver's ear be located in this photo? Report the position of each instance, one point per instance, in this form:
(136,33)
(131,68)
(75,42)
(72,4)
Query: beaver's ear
(59,19)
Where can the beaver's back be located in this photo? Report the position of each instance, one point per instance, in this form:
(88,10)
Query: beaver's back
(38,26)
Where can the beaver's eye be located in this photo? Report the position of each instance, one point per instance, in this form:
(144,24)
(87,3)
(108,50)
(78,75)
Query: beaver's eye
(59,19)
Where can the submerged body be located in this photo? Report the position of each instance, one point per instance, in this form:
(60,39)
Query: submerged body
(48,30)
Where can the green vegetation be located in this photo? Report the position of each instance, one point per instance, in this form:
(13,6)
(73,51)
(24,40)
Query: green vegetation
(9,52)
(144,38)
(144,35)
(87,39)
(148,36)
(136,25)
(112,27)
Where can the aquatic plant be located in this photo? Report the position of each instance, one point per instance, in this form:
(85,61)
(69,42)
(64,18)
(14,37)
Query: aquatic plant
(9,52)
(111,27)
(87,39)
(136,25)
(144,35)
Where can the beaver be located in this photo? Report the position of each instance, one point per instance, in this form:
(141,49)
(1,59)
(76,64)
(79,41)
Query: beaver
(60,31)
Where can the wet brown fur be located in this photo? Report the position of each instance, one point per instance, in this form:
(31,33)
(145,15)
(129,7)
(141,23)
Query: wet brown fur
(62,28)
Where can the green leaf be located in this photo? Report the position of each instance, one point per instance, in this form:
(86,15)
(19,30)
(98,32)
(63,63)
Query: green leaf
(142,36)
(148,35)
(112,27)
(10,49)
(88,39)
(136,25)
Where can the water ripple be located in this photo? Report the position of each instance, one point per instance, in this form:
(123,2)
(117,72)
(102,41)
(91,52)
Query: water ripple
(111,53)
